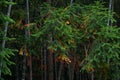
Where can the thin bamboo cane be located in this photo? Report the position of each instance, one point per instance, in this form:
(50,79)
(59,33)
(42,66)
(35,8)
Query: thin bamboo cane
(109,12)
(28,34)
(5,33)
(45,64)
(71,2)
(27,38)
(60,71)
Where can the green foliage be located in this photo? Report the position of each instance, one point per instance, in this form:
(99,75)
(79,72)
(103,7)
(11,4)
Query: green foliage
(84,27)
(5,60)
(4,18)
(5,53)
(57,25)
(7,2)
(81,29)
(103,41)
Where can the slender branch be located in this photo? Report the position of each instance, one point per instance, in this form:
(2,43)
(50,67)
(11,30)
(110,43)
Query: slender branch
(86,48)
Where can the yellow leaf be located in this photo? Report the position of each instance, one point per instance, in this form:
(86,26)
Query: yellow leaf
(21,51)
(64,58)
(67,22)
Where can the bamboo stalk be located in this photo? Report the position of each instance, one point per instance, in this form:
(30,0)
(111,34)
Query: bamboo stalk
(92,75)
(55,67)
(24,64)
(31,68)
(49,1)
(5,33)
(69,72)
(50,62)
(27,38)
(71,2)
(109,11)
(28,34)
(17,72)
(60,71)
(45,64)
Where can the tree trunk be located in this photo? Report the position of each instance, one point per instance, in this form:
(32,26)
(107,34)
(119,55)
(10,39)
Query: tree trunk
(49,1)
(45,65)
(31,67)
(17,72)
(69,72)
(41,63)
(27,37)
(28,34)
(55,67)
(92,75)
(77,74)
(71,67)
(50,66)
(60,71)
(24,65)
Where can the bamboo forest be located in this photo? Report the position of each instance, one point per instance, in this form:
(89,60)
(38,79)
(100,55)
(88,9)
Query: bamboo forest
(59,39)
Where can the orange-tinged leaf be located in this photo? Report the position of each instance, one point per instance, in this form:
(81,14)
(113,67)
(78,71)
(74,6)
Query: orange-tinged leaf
(27,25)
(51,50)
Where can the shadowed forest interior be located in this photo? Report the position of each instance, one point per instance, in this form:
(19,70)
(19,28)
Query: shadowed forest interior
(59,39)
